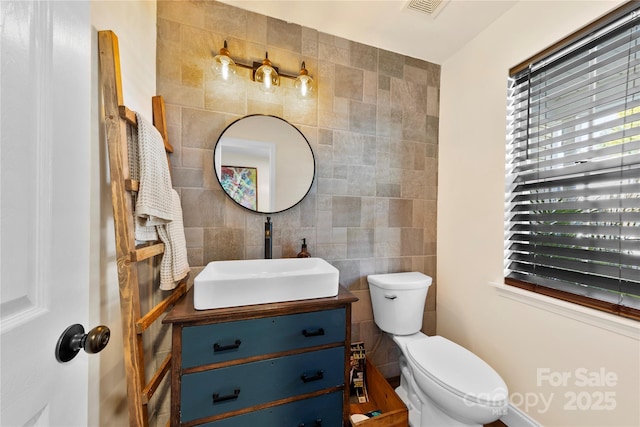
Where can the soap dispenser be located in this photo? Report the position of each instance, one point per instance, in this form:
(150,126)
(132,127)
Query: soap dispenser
(303,252)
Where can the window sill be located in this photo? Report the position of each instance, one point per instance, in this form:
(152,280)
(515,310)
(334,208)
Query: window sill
(610,322)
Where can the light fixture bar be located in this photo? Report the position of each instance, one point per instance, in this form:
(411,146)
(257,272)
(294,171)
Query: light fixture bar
(255,66)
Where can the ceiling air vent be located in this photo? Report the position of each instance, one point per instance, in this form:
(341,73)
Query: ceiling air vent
(430,7)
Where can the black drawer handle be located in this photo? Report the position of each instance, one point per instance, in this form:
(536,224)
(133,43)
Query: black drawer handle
(306,379)
(217,347)
(217,398)
(314,333)
(316,423)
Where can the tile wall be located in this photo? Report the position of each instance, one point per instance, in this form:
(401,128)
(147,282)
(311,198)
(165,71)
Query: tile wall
(373,128)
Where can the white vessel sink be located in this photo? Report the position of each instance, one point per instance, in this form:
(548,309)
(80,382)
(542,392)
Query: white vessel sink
(259,281)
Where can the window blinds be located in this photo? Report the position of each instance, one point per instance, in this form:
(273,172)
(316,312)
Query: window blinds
(573,170)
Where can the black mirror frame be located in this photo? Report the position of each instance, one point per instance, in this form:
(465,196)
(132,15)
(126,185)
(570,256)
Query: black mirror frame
(313,158)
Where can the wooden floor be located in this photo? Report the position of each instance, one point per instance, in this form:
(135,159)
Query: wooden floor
(395,382)
(496,424)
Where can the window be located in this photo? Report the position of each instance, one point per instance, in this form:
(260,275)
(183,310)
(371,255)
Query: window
(573,168)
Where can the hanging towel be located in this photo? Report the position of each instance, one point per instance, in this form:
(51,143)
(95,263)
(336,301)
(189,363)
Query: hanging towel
(158,212)
(174,266)
(149,166)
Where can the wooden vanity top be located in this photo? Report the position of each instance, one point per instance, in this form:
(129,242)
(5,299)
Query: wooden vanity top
(185,313)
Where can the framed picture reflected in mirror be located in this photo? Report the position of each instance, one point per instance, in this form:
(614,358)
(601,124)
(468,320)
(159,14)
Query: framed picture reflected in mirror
(241,184)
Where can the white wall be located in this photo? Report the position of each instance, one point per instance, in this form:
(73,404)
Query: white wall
(134,22)
(517,337)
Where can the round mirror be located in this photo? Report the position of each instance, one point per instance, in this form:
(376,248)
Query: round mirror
(264,163)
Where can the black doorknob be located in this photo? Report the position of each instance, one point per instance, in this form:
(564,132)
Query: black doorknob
(73,339)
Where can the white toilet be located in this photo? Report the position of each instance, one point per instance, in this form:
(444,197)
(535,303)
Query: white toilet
(442,383)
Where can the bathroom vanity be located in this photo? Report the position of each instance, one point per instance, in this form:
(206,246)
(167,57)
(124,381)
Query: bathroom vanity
(279,364)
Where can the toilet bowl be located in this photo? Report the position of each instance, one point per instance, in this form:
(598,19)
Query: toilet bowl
(442,383)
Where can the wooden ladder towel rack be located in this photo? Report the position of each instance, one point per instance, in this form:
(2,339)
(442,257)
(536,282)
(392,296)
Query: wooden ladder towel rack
(134,322)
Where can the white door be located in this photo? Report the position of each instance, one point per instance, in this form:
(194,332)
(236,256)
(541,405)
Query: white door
(45,49)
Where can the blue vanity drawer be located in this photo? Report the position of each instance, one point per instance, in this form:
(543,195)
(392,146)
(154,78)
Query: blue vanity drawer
(221,342)
(325,410)
(231,388)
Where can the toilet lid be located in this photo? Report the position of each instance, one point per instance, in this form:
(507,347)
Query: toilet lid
(458,370)
(400,281)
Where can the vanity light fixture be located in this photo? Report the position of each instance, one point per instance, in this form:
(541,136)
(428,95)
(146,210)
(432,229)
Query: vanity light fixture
(264,73)
(223,66)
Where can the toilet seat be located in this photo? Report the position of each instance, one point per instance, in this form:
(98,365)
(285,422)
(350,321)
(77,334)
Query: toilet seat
(457,370)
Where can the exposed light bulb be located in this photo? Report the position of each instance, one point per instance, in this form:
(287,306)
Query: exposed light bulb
(267,80)
(223,66)
(304,83)
(267,76)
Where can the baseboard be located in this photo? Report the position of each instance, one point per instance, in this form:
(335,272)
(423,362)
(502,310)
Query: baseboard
(516,418)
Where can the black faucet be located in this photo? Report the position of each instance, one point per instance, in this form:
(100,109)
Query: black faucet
(268,242)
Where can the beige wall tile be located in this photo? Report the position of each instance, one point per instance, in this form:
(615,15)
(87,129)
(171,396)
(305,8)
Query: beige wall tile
(390,64)
(284,35)
(347,211)
(349,82)
(401,212)
(360,243)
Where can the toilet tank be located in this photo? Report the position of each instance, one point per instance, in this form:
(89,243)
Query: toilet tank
(398,301)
